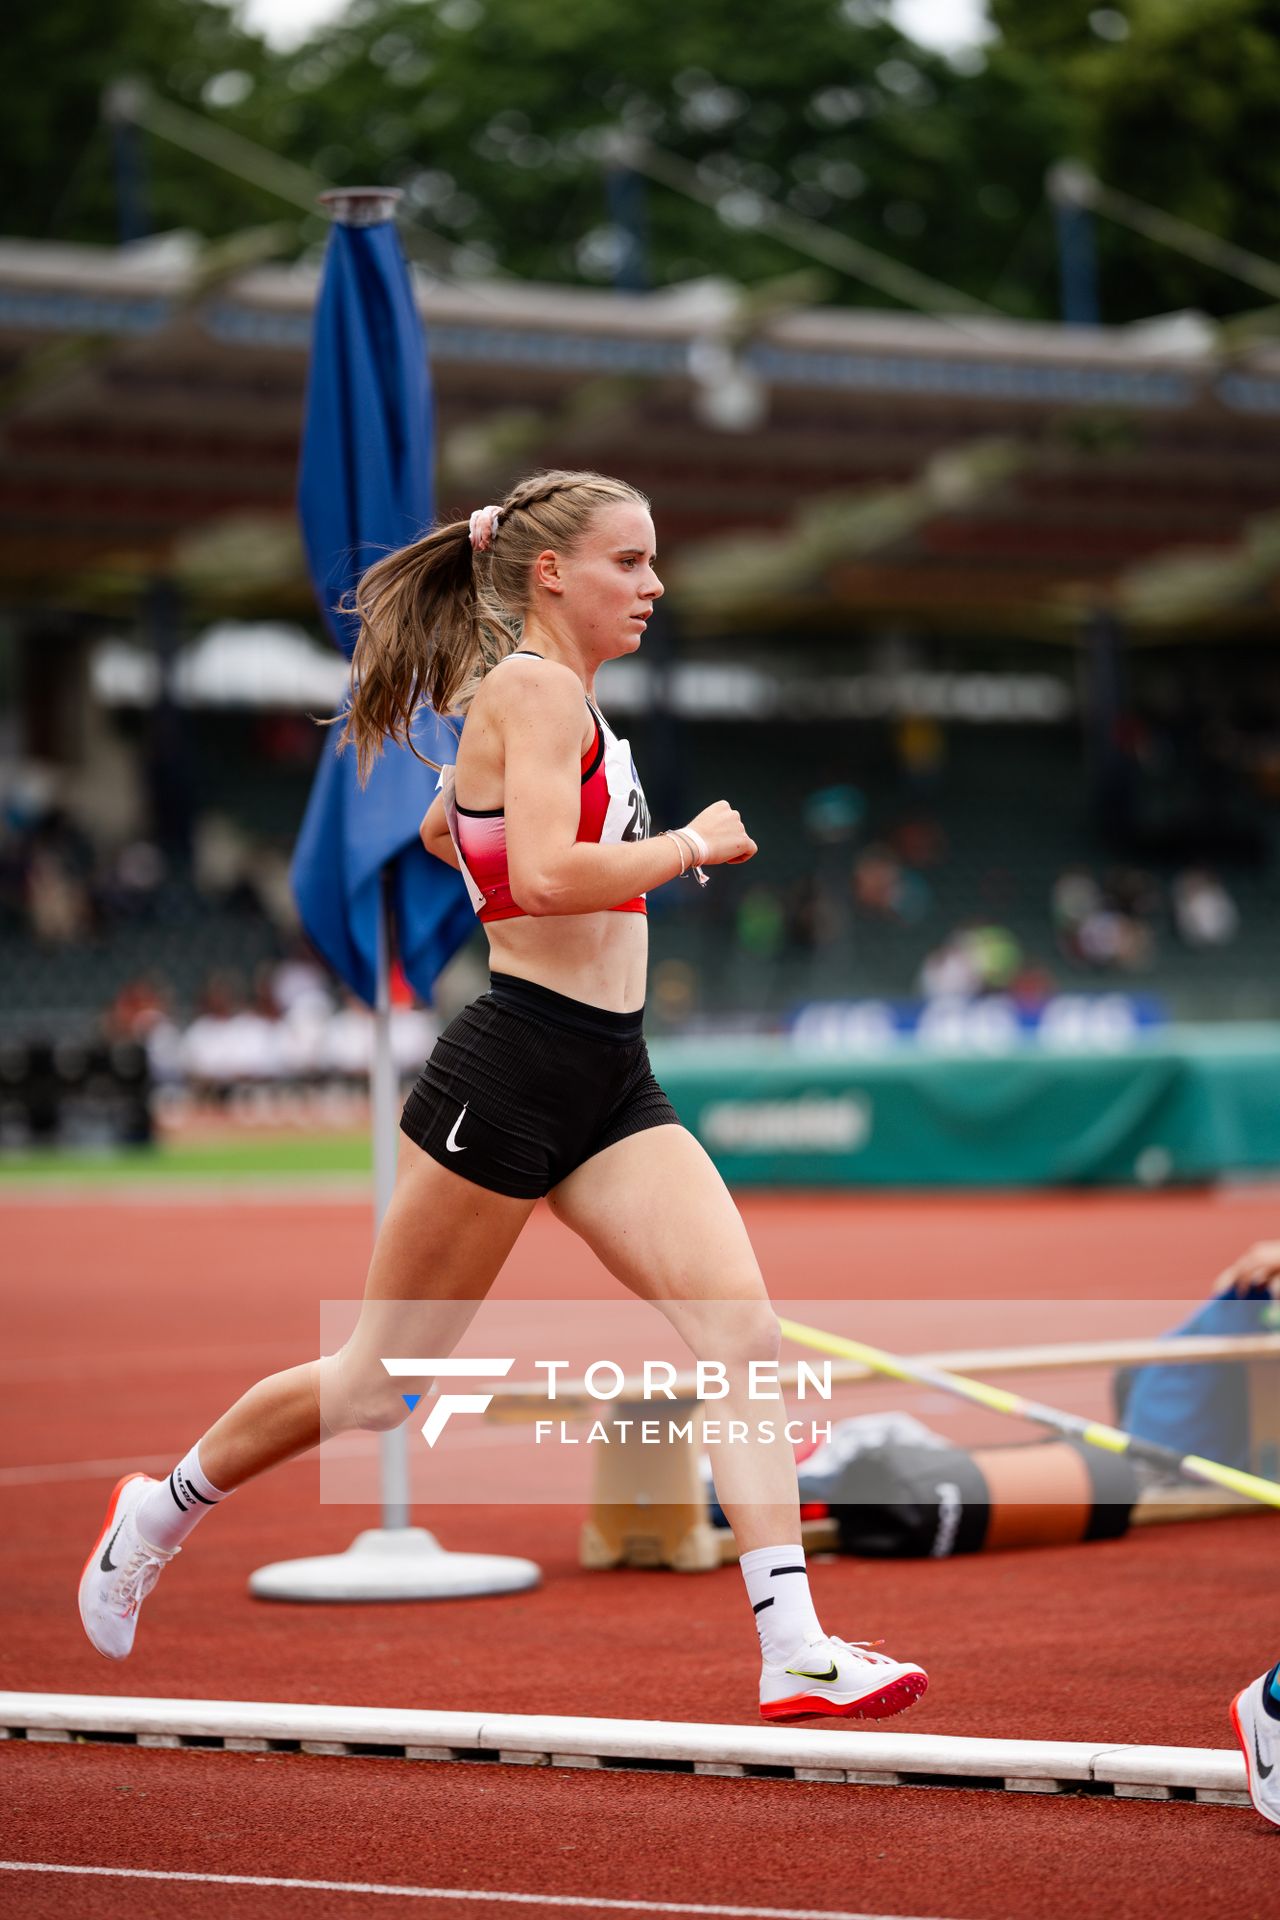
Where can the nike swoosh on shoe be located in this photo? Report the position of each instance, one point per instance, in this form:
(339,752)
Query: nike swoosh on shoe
(1264,1771)
(802,1674)
(107,1564)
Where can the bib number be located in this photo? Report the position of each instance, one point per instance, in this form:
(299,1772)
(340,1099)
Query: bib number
(627,816)
(637,826)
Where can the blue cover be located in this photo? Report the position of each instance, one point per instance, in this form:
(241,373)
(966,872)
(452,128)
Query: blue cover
(364,488)
(1197,1408)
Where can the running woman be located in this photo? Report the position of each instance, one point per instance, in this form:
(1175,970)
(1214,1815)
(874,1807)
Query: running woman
(541,1087)
(1255,1715)
(1255,1712)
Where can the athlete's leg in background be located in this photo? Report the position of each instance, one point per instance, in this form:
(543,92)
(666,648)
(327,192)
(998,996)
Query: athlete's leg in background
(656,1212)
(444,1240)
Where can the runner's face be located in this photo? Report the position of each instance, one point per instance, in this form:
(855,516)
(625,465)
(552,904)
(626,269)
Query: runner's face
(609,583)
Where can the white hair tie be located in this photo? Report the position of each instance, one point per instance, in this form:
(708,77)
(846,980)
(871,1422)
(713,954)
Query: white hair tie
(484,524)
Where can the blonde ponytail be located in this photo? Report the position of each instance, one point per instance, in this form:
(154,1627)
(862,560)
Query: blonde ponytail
(435,617)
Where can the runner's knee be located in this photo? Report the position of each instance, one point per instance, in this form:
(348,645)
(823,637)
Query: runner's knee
(356,1393)
(732,1331)
(751,1332)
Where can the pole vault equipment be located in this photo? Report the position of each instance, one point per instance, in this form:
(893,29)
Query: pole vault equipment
(1190,1465)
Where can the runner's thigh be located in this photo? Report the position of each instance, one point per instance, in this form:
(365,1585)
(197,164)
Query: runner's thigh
(441,1246)
(655,1210)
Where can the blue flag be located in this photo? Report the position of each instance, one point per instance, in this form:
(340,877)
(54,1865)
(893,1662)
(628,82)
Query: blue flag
(364,488)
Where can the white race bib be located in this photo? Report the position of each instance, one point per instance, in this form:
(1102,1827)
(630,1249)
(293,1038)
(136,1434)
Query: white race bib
(627,816)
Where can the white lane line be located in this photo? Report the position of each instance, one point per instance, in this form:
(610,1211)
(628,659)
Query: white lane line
(579,1902)
(56,1470)
(76,1368)
(84,1470)
(212,1191)
(344,1446)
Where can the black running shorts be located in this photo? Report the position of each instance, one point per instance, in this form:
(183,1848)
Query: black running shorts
(525,1084)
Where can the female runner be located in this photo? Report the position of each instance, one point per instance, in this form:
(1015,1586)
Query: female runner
(542,1086)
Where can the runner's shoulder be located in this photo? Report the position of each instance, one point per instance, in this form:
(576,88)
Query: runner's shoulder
(544,691)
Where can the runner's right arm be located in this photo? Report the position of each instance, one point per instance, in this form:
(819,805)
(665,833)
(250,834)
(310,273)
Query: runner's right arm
(551,871)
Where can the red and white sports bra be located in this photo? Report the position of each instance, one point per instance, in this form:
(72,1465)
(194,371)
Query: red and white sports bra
(613,809)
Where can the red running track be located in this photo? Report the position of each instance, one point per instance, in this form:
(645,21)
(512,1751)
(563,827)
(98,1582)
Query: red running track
(138,1323)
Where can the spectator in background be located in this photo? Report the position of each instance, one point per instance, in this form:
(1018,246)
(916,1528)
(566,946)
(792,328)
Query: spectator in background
(229,1043)
(674,994)
(300,982)
(1099,927)
(919,841)
(950,972)
(220,858)
(885,889)
(142,1011)
(976,959)
(141,1004)
(1033,984)
(267,882)
(761,923)
(131,887)
(59,910)
(1134,892)
(1075,896)
(921,747)
(812,917)
(1203,911)
(877,882)
(1109,940)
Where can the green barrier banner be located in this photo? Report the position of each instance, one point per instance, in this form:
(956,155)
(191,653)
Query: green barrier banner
(1190,1105)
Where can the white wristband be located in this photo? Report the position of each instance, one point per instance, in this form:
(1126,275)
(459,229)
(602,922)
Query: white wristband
(699,854)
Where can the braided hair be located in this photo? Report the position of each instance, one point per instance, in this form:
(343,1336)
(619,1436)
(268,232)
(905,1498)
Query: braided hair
(437,616)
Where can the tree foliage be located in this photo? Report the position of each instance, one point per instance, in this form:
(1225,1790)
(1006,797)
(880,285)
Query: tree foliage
(1175,102)
(489,114)
(57,154)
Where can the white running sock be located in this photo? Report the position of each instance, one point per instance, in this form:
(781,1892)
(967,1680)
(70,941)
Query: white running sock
(173,1506)
(778,1589)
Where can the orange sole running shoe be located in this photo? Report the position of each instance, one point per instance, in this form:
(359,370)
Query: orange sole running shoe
(845,1678)
(120,1571)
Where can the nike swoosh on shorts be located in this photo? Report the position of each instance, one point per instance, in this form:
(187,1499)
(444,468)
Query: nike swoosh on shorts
(453,1133)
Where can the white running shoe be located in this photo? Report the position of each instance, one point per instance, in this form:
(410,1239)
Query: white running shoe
(120,1572)
(1259,1737)
(839,1676)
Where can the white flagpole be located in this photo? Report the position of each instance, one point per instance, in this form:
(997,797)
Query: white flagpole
(384,1103)
(395,1561)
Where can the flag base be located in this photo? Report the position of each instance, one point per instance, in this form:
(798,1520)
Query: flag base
(402,1563)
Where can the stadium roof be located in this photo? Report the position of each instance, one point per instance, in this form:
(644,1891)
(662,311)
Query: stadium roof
(152,404)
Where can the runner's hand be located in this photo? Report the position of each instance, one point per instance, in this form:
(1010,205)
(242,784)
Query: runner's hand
(727,839)
(1260,1266)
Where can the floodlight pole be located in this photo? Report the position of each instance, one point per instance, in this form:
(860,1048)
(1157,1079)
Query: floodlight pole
(121,101)
(1069,186)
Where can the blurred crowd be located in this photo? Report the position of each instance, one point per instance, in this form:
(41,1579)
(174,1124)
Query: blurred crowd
(1114,923)
(873,886)
(286,1026)
(1106,927)
(65,889)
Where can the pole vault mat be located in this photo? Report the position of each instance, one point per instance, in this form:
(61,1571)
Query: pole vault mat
(858,1759)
